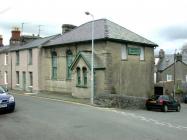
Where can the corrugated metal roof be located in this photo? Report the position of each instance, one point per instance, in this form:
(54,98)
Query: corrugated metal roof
(103,29)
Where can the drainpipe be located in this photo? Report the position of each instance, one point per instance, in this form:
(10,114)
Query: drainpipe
(10,70)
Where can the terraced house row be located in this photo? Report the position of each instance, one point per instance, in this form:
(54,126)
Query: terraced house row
(123,61)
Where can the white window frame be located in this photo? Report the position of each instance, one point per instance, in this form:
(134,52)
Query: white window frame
(142,52)
(6,59)
(155,76)
(169,77)
(6,77)
(124,52)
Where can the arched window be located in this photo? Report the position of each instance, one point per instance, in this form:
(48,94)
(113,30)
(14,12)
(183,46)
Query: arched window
(84,70)
(69,58)
(54,65)
(78,76)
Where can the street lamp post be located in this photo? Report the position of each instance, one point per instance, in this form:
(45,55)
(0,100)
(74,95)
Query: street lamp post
(174,78)
(92,60)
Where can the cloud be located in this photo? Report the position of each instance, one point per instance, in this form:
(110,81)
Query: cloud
(6,25)
(30,28)
(175,32)
(4,10)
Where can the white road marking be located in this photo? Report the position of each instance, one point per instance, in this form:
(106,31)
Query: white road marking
(30,93)
(156,122)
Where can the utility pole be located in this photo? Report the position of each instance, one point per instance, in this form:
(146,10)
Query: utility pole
(39,29)
(22,27)
(174,78)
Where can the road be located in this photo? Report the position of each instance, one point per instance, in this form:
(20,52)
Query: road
(44,119)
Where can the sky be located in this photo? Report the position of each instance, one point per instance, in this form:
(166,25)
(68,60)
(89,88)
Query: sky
(162,21)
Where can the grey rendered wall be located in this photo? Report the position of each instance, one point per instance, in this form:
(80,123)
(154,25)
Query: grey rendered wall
(130,77)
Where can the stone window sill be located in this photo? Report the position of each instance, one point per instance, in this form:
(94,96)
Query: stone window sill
(81,86)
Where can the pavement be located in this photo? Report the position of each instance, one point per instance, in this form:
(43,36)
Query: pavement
(54,95)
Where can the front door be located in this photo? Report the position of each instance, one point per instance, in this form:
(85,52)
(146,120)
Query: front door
(24,81)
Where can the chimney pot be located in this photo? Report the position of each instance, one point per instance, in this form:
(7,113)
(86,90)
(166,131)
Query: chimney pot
(1,41)
(15,38)
(161,54)
(67,28)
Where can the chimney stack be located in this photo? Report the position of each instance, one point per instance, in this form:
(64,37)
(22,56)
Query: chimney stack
(67,28)
(15,38)
(161,54)
(1,41)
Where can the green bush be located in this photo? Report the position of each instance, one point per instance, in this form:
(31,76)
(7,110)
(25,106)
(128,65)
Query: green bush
(179,91)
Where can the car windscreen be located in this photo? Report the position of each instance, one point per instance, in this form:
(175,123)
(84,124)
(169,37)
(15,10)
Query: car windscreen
(164,97)
(2,90)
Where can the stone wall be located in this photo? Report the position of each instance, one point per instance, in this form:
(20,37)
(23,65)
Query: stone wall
(120,101)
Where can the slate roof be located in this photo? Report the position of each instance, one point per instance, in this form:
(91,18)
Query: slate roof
(103,29)
(4,49)
(165,62)
(168,60)
(35,43)
(98,63)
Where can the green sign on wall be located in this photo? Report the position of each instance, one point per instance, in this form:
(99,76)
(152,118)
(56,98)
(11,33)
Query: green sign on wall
(134,51)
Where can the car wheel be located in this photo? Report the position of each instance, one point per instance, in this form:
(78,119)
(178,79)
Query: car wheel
(165,108)
(12,110)
(178,108)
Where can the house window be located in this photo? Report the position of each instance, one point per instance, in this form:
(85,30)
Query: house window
(169,77)
(17,57)
(6,77)
(142,57)
(31,78)
(54,65)
(124,52)
(30,57)
(78,76)
(17,77)
(6,59)
(84,76)
(69,58)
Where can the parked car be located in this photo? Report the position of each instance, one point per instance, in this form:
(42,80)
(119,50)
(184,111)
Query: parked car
(7,101)
(163,102)
(185,99)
